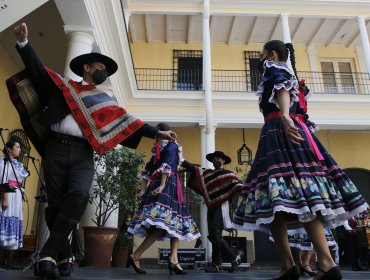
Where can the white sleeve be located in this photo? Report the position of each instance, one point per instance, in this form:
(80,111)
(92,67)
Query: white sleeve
(347,226)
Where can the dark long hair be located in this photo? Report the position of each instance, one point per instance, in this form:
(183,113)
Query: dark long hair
(9,145)
(283,51)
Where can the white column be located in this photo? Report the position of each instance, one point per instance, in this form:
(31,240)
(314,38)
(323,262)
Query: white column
(361,58)
(311,51)
(78,43)
(127,15)
(209,132)
(203,207)
(286,35)
(285,27)
(207,79)
(364,40)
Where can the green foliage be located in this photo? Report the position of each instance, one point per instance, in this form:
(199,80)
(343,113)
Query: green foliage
(116,183)
(124,240)
(242,172)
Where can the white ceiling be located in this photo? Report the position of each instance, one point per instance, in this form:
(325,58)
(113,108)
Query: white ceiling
(242,29)
(46,35)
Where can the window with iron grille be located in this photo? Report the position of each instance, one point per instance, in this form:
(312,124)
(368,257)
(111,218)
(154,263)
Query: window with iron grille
(187,69)
(254,77)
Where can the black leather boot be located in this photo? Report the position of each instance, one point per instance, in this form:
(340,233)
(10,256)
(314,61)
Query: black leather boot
(213,268)
(65,268)
(46,267)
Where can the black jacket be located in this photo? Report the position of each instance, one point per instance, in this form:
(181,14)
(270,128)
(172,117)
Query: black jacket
(52,101)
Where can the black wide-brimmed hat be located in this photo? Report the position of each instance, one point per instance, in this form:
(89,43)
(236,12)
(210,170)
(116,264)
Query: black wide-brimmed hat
(78,62)
(162,126)
(220,154)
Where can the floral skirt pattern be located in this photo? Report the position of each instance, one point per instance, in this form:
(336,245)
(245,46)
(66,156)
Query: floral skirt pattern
(302,241)
(164,212)
(286,177)
(11,223)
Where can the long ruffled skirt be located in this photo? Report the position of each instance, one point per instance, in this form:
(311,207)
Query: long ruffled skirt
(164,212)
(285,177)
(11,223)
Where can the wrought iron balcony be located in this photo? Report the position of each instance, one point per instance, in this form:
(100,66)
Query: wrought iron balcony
(247,81)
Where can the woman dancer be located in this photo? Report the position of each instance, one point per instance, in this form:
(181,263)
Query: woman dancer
(293,177)
(11,215)
(162,214)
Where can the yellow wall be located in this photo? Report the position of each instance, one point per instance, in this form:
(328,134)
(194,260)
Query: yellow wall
(349,149)
(230,57)
(9,119)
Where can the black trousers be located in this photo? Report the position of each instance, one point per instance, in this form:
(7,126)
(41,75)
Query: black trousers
(219,245)
(69,171)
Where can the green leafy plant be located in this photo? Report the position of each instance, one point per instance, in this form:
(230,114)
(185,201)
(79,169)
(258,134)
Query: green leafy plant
(242,171)
(116,183)
(124,240)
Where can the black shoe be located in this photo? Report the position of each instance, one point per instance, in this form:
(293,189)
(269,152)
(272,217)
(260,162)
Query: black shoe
(213,269)
(239,257)
(238,260)
(174,268)
(331,274)
(131,262)
(355,268)
(308,272)
(46,267)
(292,273)
(65,268)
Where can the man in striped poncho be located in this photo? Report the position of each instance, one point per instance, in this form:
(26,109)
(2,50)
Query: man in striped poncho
(217,187)
(67,121)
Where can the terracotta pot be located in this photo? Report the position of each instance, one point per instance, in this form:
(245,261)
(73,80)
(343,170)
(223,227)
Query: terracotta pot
(99,243)
(120,256)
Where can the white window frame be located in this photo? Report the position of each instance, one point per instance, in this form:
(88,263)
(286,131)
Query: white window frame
(335,62)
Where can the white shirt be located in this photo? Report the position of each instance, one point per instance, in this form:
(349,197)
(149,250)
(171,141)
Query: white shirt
(68,124)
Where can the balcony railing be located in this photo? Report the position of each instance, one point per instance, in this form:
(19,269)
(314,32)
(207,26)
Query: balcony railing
(247,81)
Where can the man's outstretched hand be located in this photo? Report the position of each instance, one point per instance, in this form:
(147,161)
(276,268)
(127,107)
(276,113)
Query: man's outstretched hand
(21,32)
(168,135)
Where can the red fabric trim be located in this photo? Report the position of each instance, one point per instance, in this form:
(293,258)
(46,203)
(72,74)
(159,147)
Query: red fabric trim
(83,123)
(227,178)
(106,115)
(273,115)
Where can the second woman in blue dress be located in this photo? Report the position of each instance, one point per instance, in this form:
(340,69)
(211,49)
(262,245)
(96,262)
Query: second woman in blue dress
(162,214)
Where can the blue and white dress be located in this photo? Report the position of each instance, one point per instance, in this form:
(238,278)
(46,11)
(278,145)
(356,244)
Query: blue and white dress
(165,211)
(302,181)
(11,219)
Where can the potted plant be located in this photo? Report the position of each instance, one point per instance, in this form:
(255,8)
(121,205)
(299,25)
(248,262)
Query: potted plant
(115,187)
(123,246)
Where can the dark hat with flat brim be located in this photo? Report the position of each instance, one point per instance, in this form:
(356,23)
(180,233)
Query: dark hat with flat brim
(162,126)
(78,62)
(219,154)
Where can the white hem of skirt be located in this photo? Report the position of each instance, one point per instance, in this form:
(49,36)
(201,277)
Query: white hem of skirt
(140,231)
(331,218)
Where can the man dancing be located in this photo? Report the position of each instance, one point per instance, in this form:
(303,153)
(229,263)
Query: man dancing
(80,119)
(217,187)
